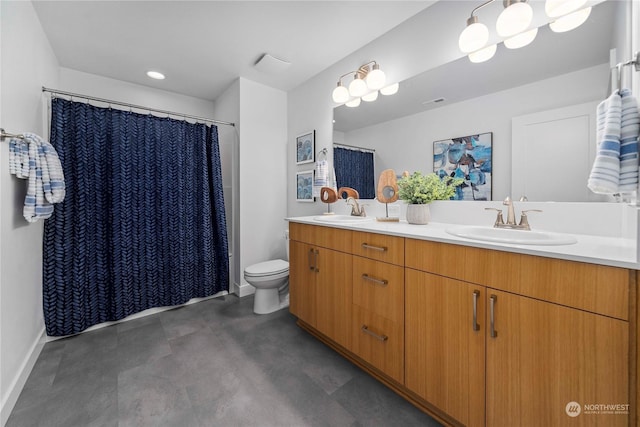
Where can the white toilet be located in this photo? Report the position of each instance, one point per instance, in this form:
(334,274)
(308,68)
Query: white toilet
(271,280)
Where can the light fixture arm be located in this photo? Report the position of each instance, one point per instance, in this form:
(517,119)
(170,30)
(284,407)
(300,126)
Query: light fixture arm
(476,9)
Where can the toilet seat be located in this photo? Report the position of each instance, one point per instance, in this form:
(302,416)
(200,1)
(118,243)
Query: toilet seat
(268,268)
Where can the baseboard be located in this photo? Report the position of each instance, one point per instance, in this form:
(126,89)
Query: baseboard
(243,290)
(21,378)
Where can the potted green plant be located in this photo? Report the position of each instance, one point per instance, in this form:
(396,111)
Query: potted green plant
(419,190)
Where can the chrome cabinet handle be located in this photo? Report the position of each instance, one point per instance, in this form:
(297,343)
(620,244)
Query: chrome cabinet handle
(366,330)
(375,248)
(492,302)
(317,270)
(381,282)
(310,262)
(476,294)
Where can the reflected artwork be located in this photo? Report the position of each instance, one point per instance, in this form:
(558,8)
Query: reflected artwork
(469,158)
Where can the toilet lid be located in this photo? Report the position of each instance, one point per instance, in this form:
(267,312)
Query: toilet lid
(267,268)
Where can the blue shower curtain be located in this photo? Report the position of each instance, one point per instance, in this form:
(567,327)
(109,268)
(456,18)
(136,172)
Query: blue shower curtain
(354,168)
(143,223)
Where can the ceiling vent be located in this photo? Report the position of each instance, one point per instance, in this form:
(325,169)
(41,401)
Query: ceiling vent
(434,101)
(271,64)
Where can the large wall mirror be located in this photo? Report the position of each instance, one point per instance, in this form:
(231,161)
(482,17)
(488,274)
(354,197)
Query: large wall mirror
(516,96)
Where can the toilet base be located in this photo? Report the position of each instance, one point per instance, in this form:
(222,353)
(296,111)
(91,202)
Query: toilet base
(269,300)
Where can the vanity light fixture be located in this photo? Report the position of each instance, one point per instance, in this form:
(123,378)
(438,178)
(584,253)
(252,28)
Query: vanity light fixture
(155,75)
(515,18)
(368,81)
(558,8)
(521,40)
(483,54)
(570,21)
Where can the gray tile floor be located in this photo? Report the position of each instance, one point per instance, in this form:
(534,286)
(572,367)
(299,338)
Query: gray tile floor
(214,363)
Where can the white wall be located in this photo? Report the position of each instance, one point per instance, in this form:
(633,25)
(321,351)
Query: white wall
(407,143)
(27,63)
(227,108)
(262,174)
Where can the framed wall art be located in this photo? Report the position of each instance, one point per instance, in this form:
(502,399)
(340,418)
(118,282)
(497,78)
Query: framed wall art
(305,148)
(467,157)
(304,186)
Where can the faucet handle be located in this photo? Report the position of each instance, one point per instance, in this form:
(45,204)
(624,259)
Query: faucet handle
(507,201)
(499,218)
(524,220)
(523,198)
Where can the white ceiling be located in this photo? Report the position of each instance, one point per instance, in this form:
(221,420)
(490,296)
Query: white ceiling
(203,46)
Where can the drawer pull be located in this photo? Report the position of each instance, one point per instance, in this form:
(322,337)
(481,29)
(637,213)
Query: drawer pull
(375,248)
(492,303)
(366,330)
(316,269)
(476,294)
(310,254)
(381,282)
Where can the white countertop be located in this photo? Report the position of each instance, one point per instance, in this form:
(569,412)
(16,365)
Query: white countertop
(611,251)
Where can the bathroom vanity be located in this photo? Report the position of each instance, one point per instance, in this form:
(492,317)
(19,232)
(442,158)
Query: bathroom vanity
(474,333)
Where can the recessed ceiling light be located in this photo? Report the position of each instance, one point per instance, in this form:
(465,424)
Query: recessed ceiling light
(155,75)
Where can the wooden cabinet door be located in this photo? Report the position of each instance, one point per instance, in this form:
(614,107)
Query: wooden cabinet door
(445,348)
(333,295)
(302,282)
(545,356)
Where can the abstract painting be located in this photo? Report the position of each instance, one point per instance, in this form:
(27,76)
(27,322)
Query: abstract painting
(304,186)
(305,148)
(469,158)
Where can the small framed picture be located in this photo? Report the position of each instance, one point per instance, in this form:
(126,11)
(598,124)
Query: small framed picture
(305,148)
(304,186)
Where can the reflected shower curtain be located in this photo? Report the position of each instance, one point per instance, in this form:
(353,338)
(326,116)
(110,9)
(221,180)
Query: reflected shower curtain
(354,168)
(143,224)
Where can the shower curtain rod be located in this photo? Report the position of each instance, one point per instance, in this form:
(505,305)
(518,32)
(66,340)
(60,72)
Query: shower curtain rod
(138,107)
(367,150)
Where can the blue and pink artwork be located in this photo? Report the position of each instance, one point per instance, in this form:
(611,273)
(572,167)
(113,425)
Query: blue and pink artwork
(469,158)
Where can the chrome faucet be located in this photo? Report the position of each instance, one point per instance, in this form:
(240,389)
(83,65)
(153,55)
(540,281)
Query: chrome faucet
(511,216)
(356,209)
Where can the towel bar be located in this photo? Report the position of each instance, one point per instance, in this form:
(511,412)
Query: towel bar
(4,134)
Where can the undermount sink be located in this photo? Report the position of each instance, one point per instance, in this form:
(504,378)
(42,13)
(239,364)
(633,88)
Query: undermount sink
(516,237)
(343,219)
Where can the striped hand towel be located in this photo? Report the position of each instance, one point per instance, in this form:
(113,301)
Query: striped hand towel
(36,160)
(322,177)
(629,130)
(605,173)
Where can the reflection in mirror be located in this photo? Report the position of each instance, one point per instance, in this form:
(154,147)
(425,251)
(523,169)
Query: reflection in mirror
(556,71)
(354,169)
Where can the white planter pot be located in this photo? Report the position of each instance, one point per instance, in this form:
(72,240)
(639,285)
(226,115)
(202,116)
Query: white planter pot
(418,214)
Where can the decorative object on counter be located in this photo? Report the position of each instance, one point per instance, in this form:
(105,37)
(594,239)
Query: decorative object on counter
(420,190)
(346,192)
(387,193)
(328,195)
(468,158)
(305,147)
(304,186)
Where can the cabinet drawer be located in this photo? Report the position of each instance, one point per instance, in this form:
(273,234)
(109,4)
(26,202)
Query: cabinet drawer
(379,288)
(379,341)
(325,237)
(379,246)
(595,288)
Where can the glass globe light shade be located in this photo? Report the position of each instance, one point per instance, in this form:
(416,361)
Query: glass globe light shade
(570,21)
(514,19)
(474,37)
(521,40)
(340,94)
(357,87)
(483,54)
(370,97)
(390,90)
(353,103)
(375,78)
(557,8)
